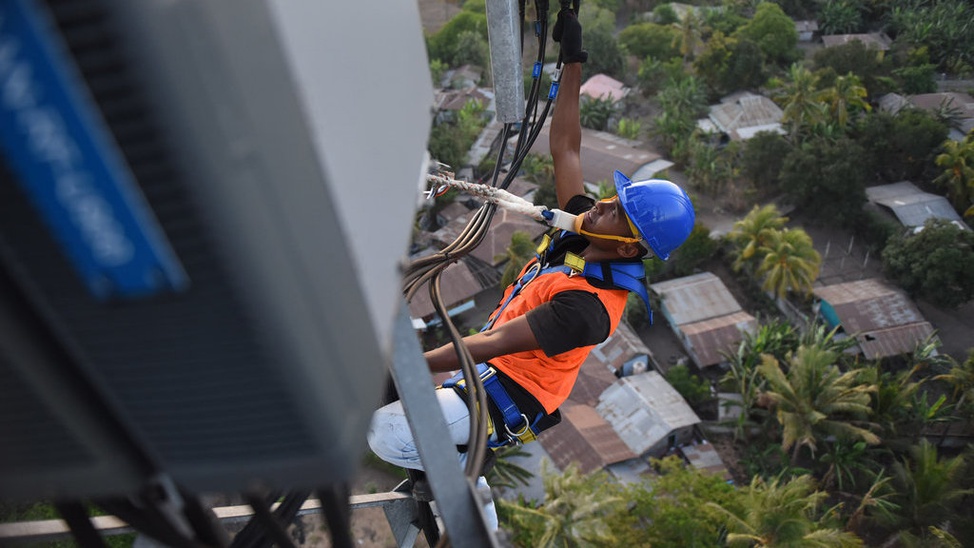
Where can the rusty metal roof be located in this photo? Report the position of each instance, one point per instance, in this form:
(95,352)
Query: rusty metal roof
(584,437)
(598,371)
(893,341)
(708,338)
(869,305)
(695,298)
(644,409)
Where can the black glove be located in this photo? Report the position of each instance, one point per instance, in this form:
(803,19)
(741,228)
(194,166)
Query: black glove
(568,31)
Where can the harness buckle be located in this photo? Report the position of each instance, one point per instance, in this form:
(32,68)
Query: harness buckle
(524,429)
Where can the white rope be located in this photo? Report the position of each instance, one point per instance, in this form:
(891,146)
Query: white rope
(494,195)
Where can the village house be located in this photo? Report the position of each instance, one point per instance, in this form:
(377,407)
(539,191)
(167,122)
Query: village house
(740,116)
(617,424)
(911,206)
(704,315)
(882,319)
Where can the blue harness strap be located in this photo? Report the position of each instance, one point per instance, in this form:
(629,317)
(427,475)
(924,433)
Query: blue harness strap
(517,427)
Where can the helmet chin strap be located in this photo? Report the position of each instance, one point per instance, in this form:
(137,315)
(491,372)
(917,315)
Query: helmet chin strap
(624,239)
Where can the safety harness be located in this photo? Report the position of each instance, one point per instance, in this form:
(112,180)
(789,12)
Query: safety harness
(518,428)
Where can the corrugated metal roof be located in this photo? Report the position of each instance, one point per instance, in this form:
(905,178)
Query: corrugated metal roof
(893,341)
(695,298)
(707,339)
(493,249)
(912,206)
(585,438)
(597,371)
(737,113)
(869,305)
(644,409)
(962,102)
(703,456)
(601,154)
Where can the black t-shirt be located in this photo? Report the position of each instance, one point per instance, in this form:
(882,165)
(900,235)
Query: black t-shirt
(571,319)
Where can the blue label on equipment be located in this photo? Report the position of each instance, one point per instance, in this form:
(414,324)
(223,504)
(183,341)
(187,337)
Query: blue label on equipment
(65,159)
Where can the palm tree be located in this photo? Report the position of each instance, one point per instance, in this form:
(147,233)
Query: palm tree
(519,252)
(573,514)
(754,231)
(961,378)
(927,488)
(782,514)
(689,37)
(790,264)
(799,100)
(815,400)
(847,93)
(957,160)
(504,472)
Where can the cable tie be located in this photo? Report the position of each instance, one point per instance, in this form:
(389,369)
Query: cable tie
(536,72)
(554,91)
(537,27)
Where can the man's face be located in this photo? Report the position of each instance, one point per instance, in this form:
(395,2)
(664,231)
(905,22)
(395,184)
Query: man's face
(607,217)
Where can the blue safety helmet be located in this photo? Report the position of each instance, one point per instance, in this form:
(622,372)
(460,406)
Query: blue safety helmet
(659,210)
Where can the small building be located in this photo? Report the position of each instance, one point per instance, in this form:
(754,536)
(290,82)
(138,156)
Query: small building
(883,320)
(585,438)
(604,87)
(911,206)
(806,30)
(448,102)
(743,115)
(704,315)
(648,414)
(874,40)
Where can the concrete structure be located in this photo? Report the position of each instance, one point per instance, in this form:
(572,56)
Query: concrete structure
(742,115)
(704,315)
(648,414)
(911,206)
(882,319)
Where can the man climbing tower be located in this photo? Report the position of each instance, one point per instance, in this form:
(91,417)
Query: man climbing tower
(566,301)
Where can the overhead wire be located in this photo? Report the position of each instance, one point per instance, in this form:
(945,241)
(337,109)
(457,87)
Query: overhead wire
(428,270)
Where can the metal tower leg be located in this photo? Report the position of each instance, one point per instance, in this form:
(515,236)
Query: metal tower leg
(458,501)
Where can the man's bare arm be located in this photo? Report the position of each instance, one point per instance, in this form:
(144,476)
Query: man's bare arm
(565,137)
(507,338)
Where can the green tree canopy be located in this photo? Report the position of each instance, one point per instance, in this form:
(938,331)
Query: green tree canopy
(761,161)
(957,161)
(936,263)
(442,45)
(674,509)
(651,40)
(753,233)
(826,179)
(901,146)
(783,514)
(773,31)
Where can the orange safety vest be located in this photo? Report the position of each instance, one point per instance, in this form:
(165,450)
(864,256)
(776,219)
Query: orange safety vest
(550,378)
